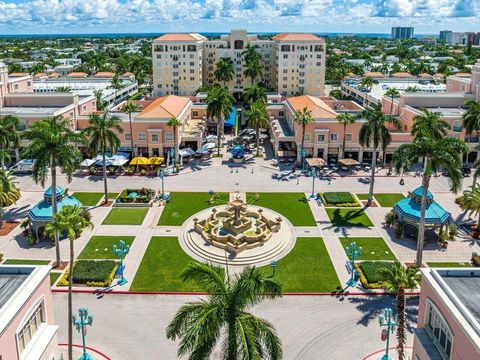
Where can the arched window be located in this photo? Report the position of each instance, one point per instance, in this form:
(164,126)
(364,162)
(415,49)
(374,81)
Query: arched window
(34,319)
(438,330)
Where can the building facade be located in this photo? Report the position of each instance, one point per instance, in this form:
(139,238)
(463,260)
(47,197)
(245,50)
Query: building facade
(402,32)
(292,64)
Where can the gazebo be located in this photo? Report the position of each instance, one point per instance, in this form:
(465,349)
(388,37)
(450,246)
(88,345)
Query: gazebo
(408,211)
(238,154)
(41,214)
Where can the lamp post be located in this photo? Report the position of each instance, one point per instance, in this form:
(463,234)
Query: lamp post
(121,251)
(274,265)
(388,320)
(313,173)
(303,153)
(161,174)
(353,252)
(174,163)
(80,324)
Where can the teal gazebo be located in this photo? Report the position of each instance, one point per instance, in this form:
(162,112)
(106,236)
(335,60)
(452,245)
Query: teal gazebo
(41,214)
(408,211)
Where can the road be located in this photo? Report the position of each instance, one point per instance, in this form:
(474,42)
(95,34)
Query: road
(310,327)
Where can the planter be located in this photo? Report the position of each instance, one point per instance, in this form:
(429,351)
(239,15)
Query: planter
(445,244)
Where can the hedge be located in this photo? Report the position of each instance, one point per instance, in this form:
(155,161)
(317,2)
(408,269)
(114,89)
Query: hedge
(144,196)
(342,199)
(91,273)
(369,273)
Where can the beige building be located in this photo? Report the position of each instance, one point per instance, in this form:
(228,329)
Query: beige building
(292,64)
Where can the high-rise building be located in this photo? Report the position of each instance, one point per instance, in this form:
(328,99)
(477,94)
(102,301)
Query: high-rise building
(292,64)
(402,32)
(445,35)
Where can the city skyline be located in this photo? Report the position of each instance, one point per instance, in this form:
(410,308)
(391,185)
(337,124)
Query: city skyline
(143,16)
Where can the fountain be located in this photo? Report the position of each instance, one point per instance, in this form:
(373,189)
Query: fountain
(237,228)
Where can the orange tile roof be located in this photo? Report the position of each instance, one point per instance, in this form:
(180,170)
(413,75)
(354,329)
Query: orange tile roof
(439,75)
(424,75)
(40,75)
(165,107)
(128,74)
(319,109)
(77,74)
(463,74)
(104,74)
(297,37)
(18,74)
(374,74)
(181,37)
(55,74)
(400,74)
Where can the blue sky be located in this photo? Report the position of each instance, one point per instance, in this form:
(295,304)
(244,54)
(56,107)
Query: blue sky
(110,16)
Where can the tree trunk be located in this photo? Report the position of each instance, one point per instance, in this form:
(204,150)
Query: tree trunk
(131,133)
(218,136)
(257,134)
(2,159)
(391,107)
(1,214)
(372,176)
(54,208)
(104,167)
(401,323)
(302,153)
(70,311)
(423,206)
(343,143)
(175,145)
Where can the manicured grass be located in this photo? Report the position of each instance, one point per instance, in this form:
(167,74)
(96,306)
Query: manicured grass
(348,217)
(182,205)
(294,206)
(307,268)
(125,216)
(92,198)
(374,248)
(362,196)
(25,262)
(372,273)
(101,247)
(448,264)
(54,276)
(388,200)
(161,267)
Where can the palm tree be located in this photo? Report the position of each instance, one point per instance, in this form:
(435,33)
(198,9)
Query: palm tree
(175,124)
(392,93)
(52,143)
(254,93)
(438,151)
(219,103)
(102,134)
(100,103)
(253,70)
(471,119)
(9,193)
(367,82)
(130,108)
(384,68)
(69,220)
(375,132)
(345,119)
(200,324)
(303,117)
(63,89)
(224,70)
(117,84)
(397,279)
(471,202)
(258,118)
(8,135)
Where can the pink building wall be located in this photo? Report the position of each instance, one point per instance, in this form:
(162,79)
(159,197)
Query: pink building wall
(20,85)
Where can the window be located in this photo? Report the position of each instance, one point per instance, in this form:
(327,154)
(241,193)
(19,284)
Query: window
(154,137)
(334,137)
(438,329)
(457,126)
(281,113)
(348,137)
(308,137)
(128,136)
(285,48)
(32,324)
(195,113)
(142,136)
(169,136)
(320,138)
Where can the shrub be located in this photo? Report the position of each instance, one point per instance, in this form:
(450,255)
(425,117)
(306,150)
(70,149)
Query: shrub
(452,231)
(342,199)
(93,273)
(390,218)
(476,260)
(144,195)
(1,257)
(369,273)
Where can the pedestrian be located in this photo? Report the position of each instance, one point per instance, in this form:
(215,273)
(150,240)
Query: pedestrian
(402,182)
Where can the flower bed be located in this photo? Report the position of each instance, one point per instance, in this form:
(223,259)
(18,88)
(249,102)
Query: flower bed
(144,196)
(340,199)
(91,273)
(369,273)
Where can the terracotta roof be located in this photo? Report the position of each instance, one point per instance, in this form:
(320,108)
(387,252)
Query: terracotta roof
(181,37)
(297,37)
(424,75)
(463,74)
(319,109)
(77,74)
(54,74)
(439,75)
(343,105)
(39,75)
(128,74)
(165,107)
(374,74)
(104,74)
(401,74)
(18,74)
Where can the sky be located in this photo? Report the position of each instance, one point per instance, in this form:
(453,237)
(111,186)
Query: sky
(158,16)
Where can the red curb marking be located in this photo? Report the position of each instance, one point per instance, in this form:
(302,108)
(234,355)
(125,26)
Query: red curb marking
(382,350)
(89,348)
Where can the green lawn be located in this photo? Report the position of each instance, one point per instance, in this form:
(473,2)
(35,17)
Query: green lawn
(125,216)
(307,268)
(373,248)
(161,267)
(294,206)
(362,196)
(348,217)
(25,262)
(53,277)
(448,264)
(101,247)
(182,205)
(92,198)
(388,200)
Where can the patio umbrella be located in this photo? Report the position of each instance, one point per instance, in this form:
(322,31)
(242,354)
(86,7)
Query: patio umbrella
(139,160)
(348,162)
(186,152)
(87,162)
(209,145)
(108,162)
(155,160)
(211,138)
(118,162)
(203,151)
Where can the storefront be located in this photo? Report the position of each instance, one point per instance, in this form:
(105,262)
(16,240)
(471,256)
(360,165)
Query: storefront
(333,155)
(351,153)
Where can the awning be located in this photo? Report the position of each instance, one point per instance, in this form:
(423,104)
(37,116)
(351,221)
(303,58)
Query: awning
(315,162)
(348,162)
(88,162)
(286,153)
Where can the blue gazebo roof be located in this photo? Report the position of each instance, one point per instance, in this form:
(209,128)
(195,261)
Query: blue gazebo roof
(409,209)
(418,192)
(42,211)
(58,191)
(238,150)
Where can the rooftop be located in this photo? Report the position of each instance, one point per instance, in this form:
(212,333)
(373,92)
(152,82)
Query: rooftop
(9,283)
(319,109)
(297,37)
(181,37)
(165,107)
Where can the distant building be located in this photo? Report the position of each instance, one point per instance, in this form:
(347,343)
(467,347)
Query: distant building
(402,32)
(445,35)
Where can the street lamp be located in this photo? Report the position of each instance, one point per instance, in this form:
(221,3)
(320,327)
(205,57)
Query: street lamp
(80,325)
(174,164)
(161,174)
(274,265)
(313,173)
(388,320)
(353,252)
(303,153)
(121,251)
